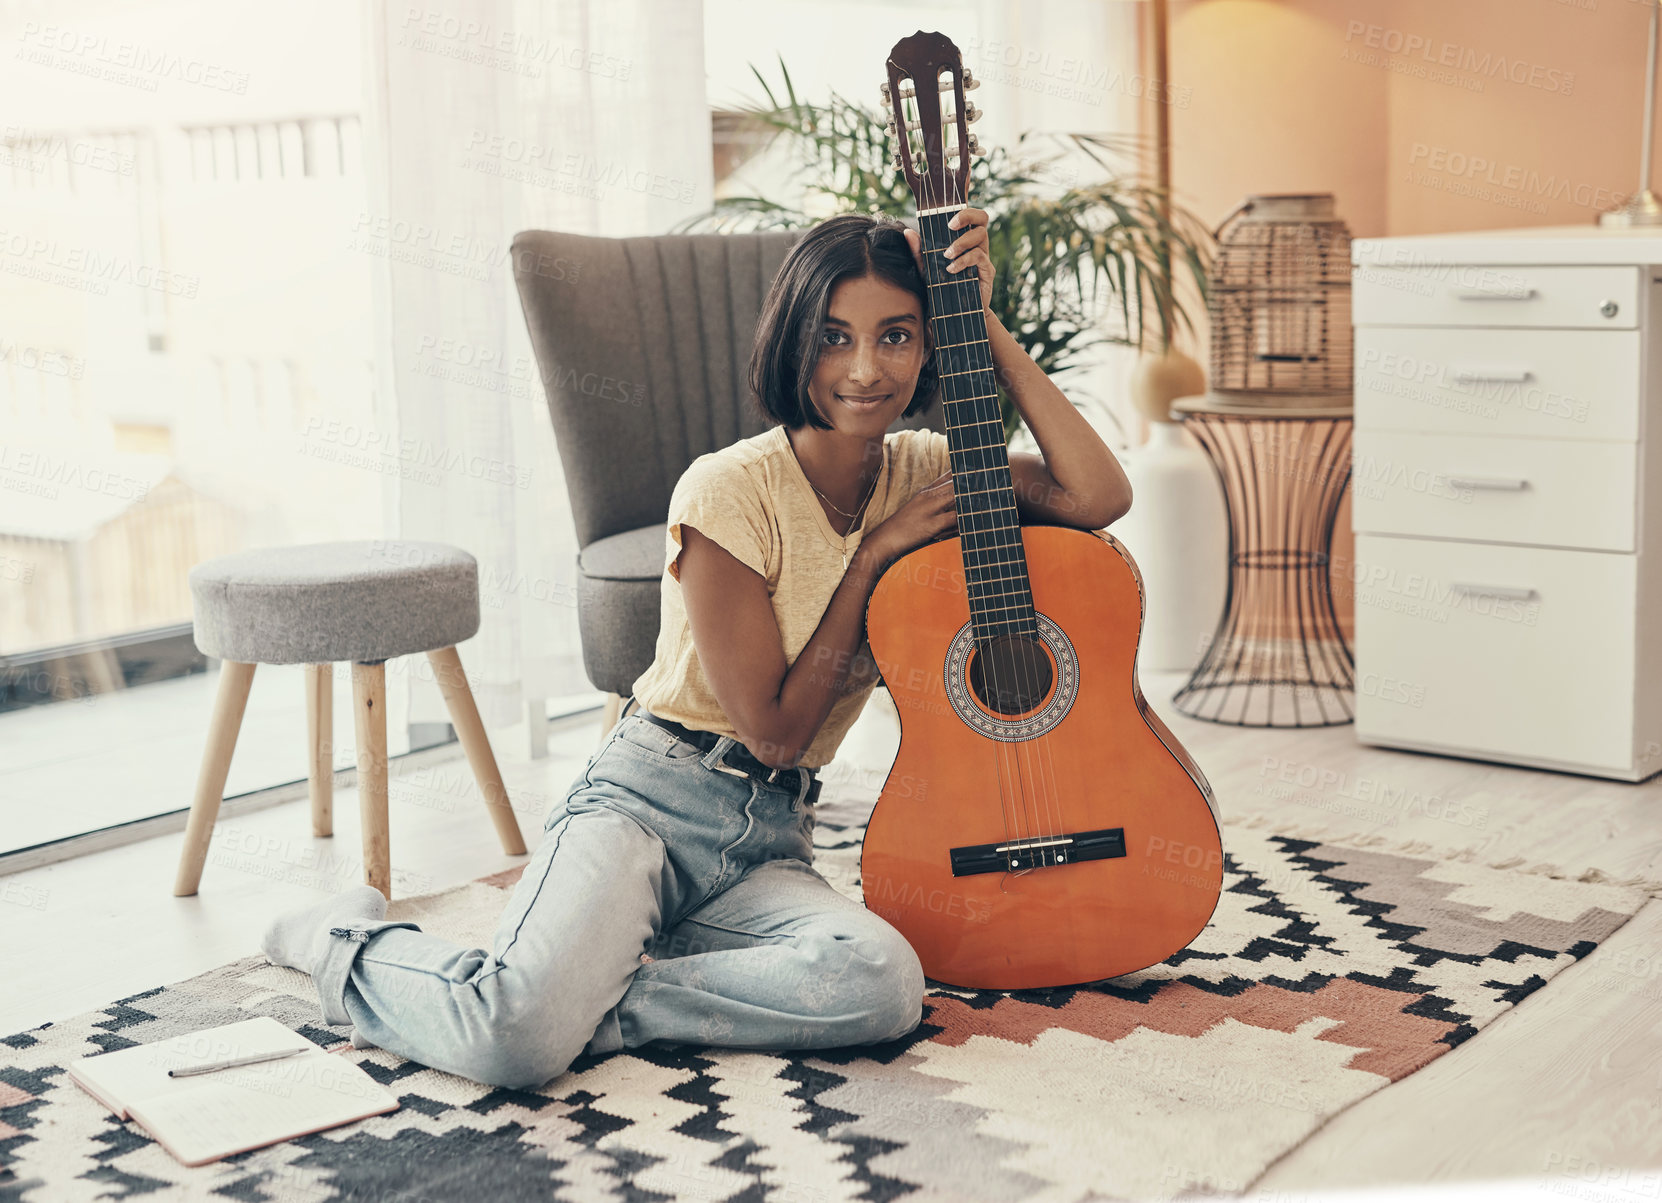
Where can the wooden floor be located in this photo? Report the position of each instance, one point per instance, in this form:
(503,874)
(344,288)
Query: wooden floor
(1571,1078)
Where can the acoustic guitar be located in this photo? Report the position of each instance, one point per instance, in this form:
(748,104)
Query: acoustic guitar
(1040,825)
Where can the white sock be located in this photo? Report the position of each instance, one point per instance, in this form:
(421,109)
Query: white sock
(300,938)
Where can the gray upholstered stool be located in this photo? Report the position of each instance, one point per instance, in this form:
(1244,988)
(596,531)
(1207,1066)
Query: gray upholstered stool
(314,604)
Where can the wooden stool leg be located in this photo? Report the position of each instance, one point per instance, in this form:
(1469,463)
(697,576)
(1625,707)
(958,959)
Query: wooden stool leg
(464,715)
(609,716)
(369,696)
(235,679)
(320,742)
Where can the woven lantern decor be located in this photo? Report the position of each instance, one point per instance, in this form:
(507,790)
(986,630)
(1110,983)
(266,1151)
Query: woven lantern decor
(1280,304)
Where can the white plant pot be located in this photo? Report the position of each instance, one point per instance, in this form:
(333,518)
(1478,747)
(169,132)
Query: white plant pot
(1177,531)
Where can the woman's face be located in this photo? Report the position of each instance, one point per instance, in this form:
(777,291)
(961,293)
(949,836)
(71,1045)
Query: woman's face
(870,352)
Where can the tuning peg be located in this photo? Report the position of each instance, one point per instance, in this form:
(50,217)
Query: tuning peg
(890,126)
(970,82)
(975,146)
(888,103)
(971,112)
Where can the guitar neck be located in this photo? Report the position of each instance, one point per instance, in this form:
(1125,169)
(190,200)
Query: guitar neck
(989,528)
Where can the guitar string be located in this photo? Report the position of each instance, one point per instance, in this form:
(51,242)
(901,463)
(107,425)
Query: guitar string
(961,290)
(1009,807)
(1039,749)
(965,287)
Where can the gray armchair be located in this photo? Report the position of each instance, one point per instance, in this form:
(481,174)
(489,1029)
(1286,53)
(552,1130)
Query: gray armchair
(643,346)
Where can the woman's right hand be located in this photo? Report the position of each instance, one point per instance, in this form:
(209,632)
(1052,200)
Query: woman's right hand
(928,514)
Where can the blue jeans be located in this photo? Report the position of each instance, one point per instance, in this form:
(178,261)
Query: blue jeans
(654,850)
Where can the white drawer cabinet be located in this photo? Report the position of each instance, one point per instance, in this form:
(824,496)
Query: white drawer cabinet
(1511,652)
(1493,294)
(1506,482)
(1551,384)
(1569,493)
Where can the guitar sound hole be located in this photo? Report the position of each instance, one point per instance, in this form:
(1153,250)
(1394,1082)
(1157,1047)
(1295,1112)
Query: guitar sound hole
(1011,676)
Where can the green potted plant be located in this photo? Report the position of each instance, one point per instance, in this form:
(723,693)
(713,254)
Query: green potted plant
(1065,259)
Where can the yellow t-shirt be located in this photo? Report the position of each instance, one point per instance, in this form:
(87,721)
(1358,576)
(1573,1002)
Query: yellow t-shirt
(753,498)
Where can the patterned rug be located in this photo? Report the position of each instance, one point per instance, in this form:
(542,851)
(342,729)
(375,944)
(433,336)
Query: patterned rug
(1328,972)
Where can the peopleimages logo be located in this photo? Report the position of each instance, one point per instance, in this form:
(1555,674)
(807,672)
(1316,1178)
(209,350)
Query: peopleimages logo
(1470,168)
(30,150)
(124,62)
(1455,57)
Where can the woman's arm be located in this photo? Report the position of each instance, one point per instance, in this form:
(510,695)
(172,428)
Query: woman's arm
(1077,481)
(776,709)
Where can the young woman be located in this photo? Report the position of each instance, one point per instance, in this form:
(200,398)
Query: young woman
(673,896)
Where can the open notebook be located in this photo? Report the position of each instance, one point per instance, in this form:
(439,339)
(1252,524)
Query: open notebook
(207,1116)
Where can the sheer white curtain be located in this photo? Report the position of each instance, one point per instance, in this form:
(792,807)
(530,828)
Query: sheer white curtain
(1067,66)
(481,120)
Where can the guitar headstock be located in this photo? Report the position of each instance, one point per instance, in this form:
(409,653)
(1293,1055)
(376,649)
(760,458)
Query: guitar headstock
(926,69)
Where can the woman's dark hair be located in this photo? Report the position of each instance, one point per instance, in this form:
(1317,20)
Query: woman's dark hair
(787,335)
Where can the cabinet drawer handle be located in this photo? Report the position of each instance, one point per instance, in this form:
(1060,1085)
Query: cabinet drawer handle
(1502,591)
(1493,294)
(1488,482)
(1497,375)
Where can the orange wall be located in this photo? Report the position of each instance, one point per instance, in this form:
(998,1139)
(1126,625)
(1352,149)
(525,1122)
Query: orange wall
(1302,95)
(1418,115)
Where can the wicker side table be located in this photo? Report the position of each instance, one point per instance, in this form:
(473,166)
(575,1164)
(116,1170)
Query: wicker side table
(1278,658)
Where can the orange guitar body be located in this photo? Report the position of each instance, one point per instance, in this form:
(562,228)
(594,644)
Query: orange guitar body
(968,783)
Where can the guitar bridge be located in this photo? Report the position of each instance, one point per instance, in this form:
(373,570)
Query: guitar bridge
(1039,852)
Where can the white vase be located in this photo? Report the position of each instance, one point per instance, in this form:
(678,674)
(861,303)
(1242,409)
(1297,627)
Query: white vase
(1177,531)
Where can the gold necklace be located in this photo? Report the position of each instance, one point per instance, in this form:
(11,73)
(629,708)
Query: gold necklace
(870,488)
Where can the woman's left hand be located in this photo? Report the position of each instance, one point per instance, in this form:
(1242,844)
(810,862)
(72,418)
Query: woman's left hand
(969,249)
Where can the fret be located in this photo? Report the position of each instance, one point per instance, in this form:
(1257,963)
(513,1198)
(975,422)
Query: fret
(974,342)
(980,509)
(984,567)
(988,509)
(989,609)
(979,446)
(966,372)
(984,548)
(1022,592)
(1019,577)
(971,425)
(996,563)
(962,400)
(1022,589)
(1003,529)
(941,317)
(957,278)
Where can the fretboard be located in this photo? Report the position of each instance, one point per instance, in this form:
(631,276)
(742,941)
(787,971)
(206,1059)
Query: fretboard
(989,529)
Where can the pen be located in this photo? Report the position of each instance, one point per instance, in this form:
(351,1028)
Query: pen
(213,1065)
